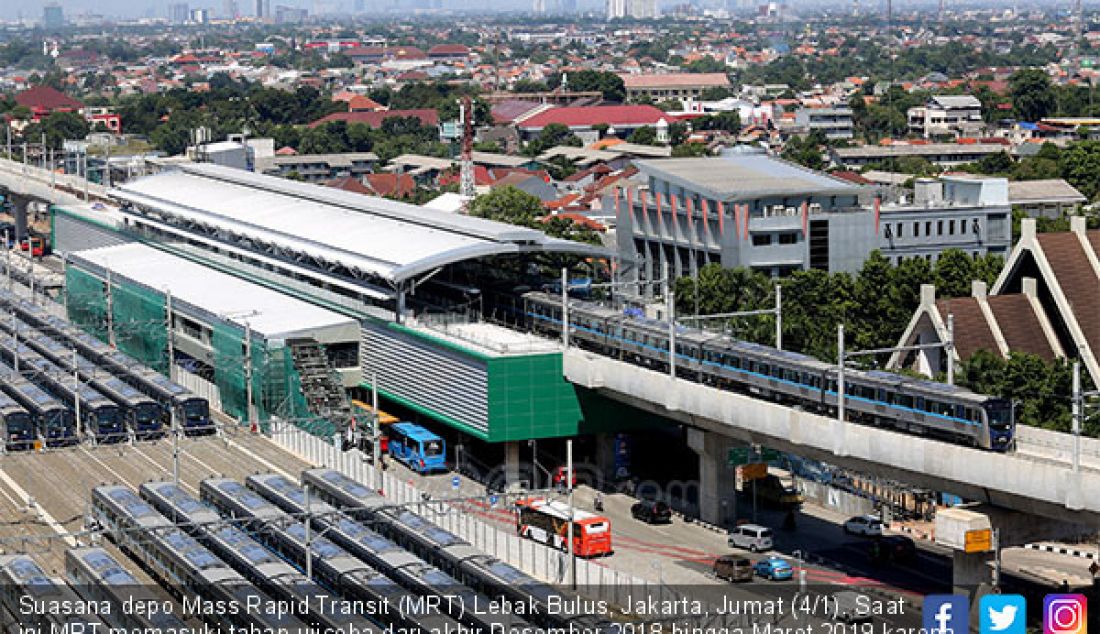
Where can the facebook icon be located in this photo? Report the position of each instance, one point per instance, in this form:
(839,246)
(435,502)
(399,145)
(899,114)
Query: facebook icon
(945,614)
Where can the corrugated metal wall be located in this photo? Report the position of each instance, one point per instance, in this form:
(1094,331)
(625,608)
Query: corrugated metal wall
(72,234)
(430,376)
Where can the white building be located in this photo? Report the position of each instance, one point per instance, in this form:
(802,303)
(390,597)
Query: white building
(947,115)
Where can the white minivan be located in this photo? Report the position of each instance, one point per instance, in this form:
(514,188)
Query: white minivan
(753,537)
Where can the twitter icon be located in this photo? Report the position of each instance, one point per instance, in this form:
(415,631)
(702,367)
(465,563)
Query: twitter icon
(1003,614)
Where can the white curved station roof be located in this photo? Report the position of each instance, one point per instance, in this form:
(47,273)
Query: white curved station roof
(373,236)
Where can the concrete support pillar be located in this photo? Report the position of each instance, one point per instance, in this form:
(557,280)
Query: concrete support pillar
(19,211)
(717,493)
(971,573)
(605,458)
(511,462)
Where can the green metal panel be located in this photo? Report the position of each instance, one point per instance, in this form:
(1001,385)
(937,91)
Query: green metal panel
(86,297)
(530,398)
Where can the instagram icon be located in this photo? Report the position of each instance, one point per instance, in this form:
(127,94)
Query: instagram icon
(1065,614)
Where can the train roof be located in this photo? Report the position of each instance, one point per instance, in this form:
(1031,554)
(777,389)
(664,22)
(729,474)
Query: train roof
(124,498)
(169,493)
(344,483)
(26,572)
(105,566)
(233,490)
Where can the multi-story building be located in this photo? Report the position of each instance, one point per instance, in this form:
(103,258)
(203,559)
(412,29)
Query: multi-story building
(637,9)
(943,154)
(757,211)
(947,115)
(672,85)
(834,122)
(53,16)
(316,168)
(179,13)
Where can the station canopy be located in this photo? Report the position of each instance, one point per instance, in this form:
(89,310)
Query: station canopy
(365,235)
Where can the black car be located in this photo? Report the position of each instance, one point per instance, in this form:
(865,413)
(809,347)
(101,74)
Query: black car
(652,512)
(892,549)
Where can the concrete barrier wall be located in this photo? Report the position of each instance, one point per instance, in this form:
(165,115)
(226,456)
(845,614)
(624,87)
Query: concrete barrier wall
(1006,480)
(1055,440)
(835,499)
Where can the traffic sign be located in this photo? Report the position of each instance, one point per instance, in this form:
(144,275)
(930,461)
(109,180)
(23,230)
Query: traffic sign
(493,501)
(978,541)
(754,471)
(737,456)
(769,455)
(455,482)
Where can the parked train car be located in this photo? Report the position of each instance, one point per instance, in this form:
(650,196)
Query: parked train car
(473,567)
(915,406)
(17,424)
(332,566)
(99,416)
(249,557)
(53,422)
(98,577)
(192,410)
(186,567)
(141,414)
(385,556)
(21,578)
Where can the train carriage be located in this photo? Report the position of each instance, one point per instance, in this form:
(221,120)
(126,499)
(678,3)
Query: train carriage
(21,578)
(878,398)
(97,576)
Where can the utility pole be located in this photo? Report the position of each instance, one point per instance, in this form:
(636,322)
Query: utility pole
(7,258)
(840,372)
(376,436)
(309,536)
(174,421)
(76,394)
(670,308)
(110,312)
(565,307)
(1077,410)
(778,316)
(949,349)
(569,483)
(248,376)
(15,342)
(169,318)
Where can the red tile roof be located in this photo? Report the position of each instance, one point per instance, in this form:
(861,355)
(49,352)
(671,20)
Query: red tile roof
(446,50)
(427,116)
(47,99)
(588,116)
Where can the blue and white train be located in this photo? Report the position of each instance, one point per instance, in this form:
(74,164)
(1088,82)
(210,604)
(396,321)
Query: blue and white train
(916,406)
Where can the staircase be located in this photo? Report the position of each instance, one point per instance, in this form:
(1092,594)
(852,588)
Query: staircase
(321,384)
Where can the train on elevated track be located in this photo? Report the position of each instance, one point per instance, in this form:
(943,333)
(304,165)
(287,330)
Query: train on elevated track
(874,397)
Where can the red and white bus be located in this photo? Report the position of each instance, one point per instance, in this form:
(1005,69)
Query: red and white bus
(545,521)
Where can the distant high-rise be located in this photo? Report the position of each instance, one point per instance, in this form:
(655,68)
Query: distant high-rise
(230,9)
(263,9)
(178,12)
(616,9)
(637,9)
(539,7)
(53,16)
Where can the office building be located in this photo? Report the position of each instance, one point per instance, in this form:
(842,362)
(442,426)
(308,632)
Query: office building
(53,16)
(757,211)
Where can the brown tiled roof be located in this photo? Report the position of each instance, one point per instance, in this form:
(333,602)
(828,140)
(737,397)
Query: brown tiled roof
(972,332)
(1020,326)
(1077,278)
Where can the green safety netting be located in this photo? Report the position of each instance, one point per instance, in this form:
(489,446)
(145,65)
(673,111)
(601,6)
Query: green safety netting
(86,301)
(139,325)
(276,385)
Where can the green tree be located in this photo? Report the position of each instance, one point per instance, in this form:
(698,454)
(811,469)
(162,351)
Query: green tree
(645,135)
(58,127)
(725,121)
(1032,96)
(508,204)
(954,272)
(1079,164)
(605,82)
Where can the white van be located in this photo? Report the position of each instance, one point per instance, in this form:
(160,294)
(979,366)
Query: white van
(753,537)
